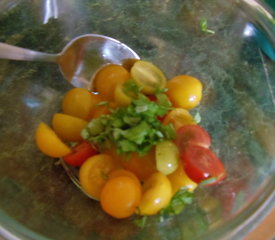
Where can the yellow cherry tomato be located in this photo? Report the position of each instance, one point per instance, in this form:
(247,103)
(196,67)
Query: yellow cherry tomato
(184,91)
(49,143)
(179,179)
(148,76)
(68,127)
(120,196)
(107,78)
(179,117)
(156,194)
(94,173)
(120,97)
(79,102)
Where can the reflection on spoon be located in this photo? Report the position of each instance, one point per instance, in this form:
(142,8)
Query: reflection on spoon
(80,59)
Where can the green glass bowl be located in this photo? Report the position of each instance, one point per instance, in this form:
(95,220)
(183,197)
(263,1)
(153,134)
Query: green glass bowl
(211,40)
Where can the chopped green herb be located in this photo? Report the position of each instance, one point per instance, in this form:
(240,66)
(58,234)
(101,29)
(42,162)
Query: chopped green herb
(177,204)
(204,26)
(134,128)
(197,118)
(102,103)
(141,221)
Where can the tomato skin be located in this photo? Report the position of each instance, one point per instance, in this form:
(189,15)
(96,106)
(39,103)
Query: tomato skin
(80,153)
(123,172)
(201,164)
(148,76)
(108,78)
(142,166)
(94,172)
(68,127)
(79,102)
(192,134)
(184,91)
(49,143)
(120,196)
(167,157)
(178,117)
(156,194)
(179,179)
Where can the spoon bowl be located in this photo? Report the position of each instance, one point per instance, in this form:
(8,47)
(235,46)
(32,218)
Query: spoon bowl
(81,58)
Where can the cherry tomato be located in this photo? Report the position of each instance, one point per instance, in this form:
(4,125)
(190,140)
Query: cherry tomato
(103,109)
(108,78)
(142,166)
(178,117)
(49,143)
(148,76)
(68,127)
(79,102)
(120,97)
(80,153)
(94,172)
(184,91)
(120,196)
(156,194)
(192,134)
(179,179)
(123,172)
(167,157)
(202,164)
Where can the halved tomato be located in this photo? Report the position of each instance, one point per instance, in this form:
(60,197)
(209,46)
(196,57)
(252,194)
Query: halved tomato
(192,134)
(201,164)
(80,153)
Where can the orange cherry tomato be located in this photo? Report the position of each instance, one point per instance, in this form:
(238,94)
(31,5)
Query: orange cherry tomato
(184,91)
(179,179)
(142,166)
(94,173)
(123,172)
(107,79)
(178,117)
(49,143)
(103,109)
(120,196)
(68,127)
(80,103)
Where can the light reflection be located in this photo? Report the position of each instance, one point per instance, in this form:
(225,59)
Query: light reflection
(51,10)
(31,102)
(248,30)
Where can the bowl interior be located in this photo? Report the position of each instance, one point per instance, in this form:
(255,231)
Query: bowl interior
(214,41)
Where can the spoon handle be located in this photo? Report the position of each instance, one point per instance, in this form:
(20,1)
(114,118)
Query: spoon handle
(17,53)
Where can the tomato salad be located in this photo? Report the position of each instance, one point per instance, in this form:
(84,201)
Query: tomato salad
(133,139)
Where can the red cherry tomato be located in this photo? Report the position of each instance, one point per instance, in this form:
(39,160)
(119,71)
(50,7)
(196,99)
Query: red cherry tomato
(201,164)
(192,135)
(80,153)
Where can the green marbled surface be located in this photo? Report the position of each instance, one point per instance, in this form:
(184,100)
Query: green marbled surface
(237,109)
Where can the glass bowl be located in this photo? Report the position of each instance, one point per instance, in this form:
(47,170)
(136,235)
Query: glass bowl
(228,45)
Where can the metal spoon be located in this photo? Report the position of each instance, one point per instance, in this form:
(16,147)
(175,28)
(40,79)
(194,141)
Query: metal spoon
(81,58)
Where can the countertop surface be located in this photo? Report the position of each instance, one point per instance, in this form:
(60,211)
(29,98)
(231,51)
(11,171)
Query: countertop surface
(265,230)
